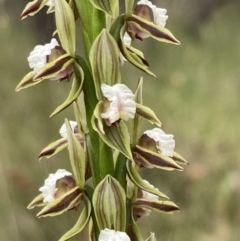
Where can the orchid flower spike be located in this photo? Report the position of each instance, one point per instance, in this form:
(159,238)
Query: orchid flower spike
(63,129)
(119,103)
(112,235)
(165,142)
(49,188)
(38,57)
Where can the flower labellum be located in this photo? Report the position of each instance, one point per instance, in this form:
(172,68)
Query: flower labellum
(165,142)
(112,235)
(119,103)
(148,196)
(63,129)
(48,190)
(38,57)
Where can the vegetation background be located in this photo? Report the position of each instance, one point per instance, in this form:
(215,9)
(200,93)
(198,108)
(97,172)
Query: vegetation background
(196,96)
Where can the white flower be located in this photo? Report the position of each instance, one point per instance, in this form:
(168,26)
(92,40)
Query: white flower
(148,196)
(159,14)
(63,129)
(38,57)
(112,235)
(122,105)
(50,3)
(48,190)
(165,142)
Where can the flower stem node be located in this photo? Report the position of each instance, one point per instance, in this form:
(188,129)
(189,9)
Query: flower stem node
(118,103)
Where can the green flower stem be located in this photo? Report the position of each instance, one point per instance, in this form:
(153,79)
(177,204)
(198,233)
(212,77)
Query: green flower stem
(89,192)
(91,101)
(92,22)
(121,170)
(128,215)
(105,160)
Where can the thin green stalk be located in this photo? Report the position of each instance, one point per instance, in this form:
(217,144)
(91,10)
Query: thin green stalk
(93,138)
(92,22)
(105,160)
(121,170)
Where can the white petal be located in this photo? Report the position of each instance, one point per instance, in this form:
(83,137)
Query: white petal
(48,190)
(127,39)
(63,129)
(122,105)
(159,14)
(166,142)
(38,57)
(112,235)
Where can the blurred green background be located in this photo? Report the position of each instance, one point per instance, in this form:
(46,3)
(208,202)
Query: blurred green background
(196,96)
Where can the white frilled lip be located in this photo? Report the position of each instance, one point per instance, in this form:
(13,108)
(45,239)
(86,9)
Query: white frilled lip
(38,57)
(159,14)
(48,189)
(112,235)
(148,195)
(122,105)
(63,129)
(165,141)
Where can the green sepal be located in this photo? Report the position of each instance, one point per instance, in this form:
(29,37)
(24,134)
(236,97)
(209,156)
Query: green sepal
(81,223)
(57,146)
(148,114)
(66,26)
(154,205)
(156,32)
(104,59)
(135,123)
(32,8)
(179,159)
(152,159)
(62,204)
(80,114)
(77,156)
(107,6)
(53,69)
(27,81)
(134,56)
(91,236)
(109,202)
(134,231)
(129,6)
(76,89)
(116,136)
(37,202)
(138,181)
